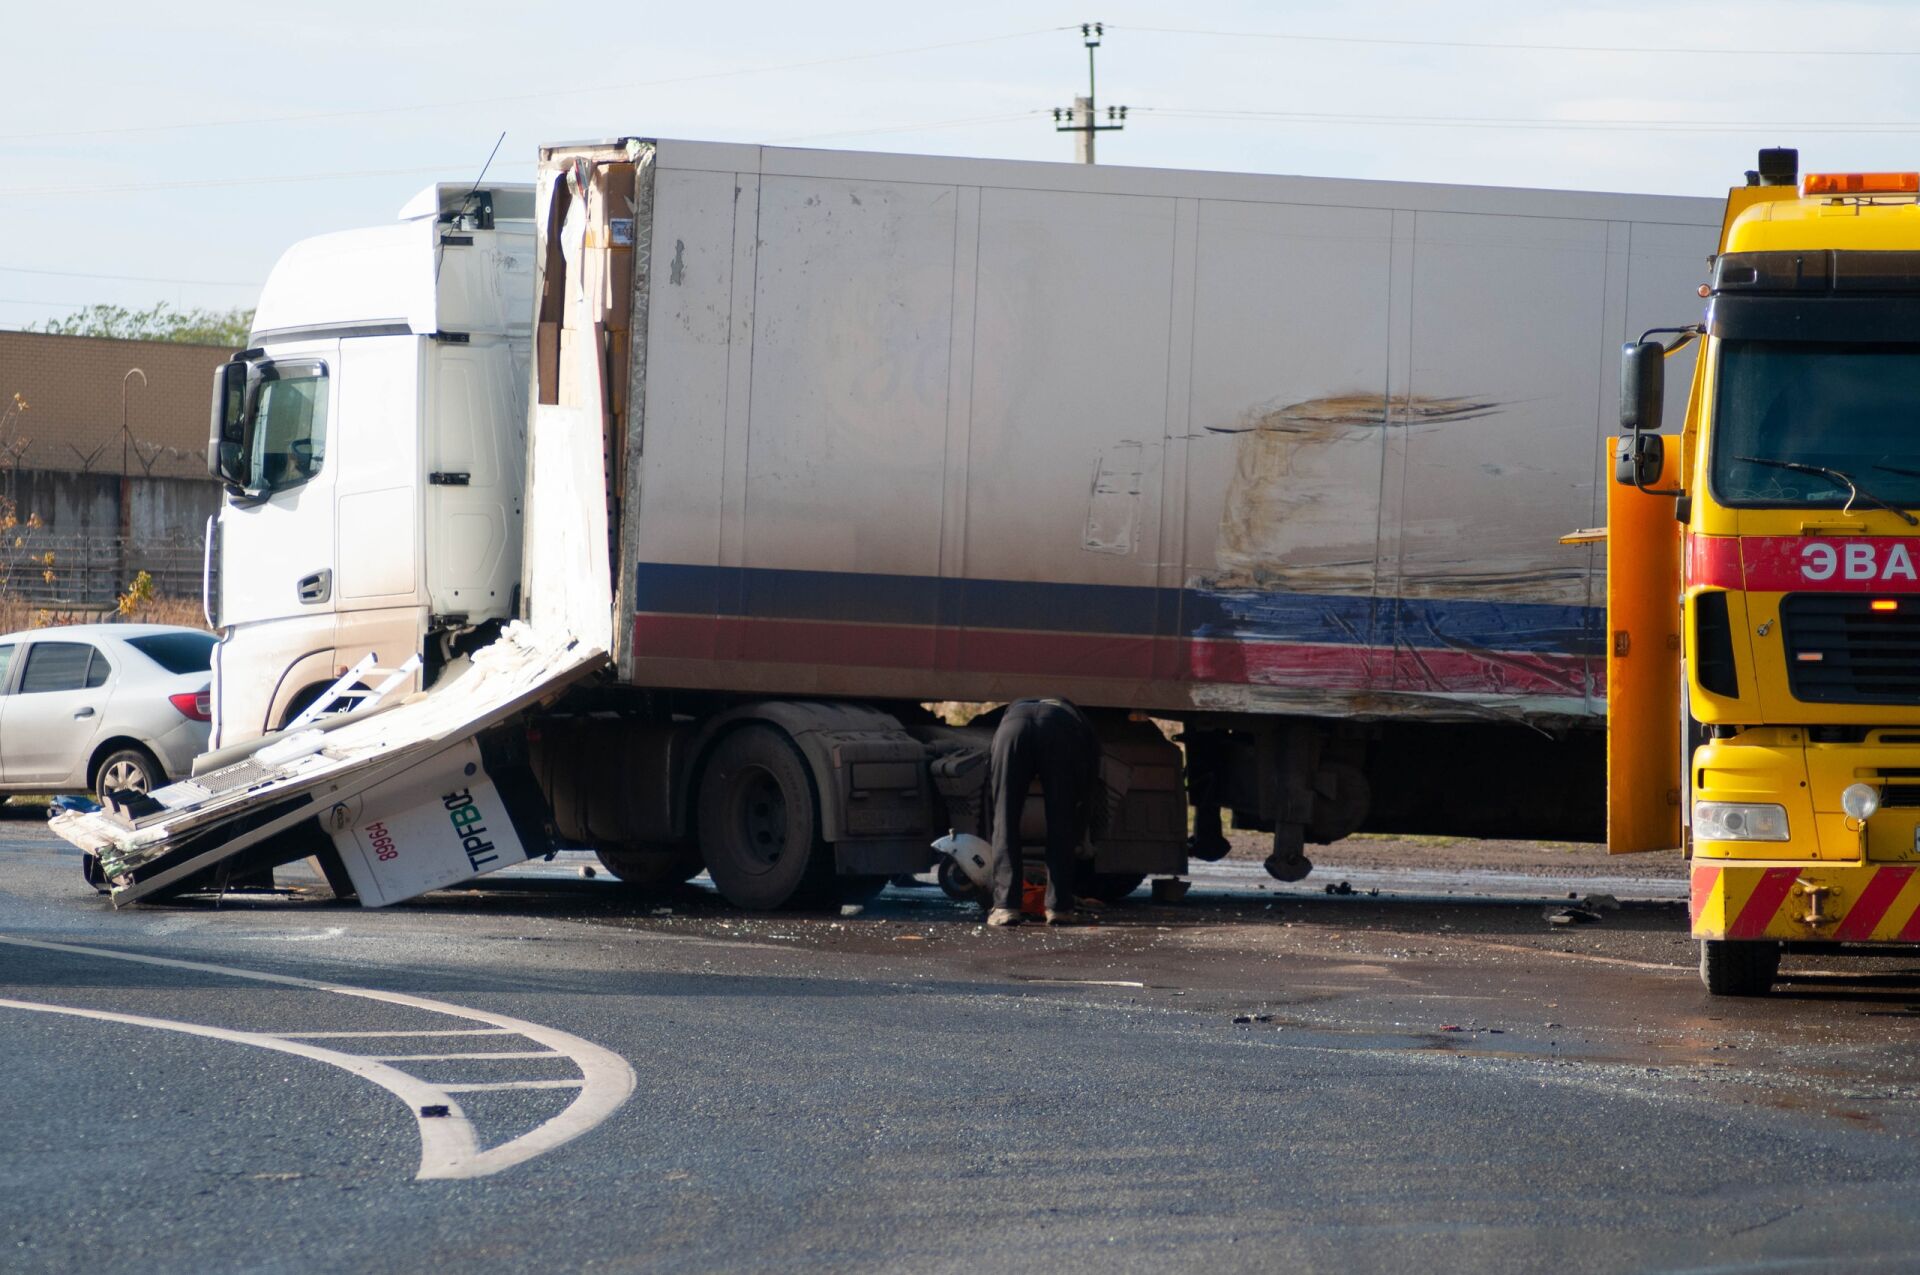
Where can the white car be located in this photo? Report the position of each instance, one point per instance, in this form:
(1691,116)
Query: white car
(92,707)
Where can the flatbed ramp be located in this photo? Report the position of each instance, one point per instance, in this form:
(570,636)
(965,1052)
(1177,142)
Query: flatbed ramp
(409,798)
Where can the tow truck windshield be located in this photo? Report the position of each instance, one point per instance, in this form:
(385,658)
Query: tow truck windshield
(1817,424)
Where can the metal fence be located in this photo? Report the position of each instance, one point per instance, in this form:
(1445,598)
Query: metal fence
(89,571)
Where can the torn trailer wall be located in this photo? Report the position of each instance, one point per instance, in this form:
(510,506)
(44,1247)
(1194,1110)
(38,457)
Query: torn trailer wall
(410,798)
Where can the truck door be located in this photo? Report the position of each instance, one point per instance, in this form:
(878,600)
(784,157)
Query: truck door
(473,457)
(1645,774)
(277,540)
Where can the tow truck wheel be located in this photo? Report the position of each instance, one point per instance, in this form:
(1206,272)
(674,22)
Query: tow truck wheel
(759,829)
(1731,967)
(647,866)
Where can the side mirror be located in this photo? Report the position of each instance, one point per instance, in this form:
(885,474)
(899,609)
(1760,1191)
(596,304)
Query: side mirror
(1639,459)
(227,432)
(1643,385)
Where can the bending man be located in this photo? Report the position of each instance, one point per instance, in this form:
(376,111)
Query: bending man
(1051,740)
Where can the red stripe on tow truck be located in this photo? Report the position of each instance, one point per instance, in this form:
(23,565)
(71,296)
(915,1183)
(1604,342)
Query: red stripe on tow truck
(1874,902)
(1767,896)
(1704,875)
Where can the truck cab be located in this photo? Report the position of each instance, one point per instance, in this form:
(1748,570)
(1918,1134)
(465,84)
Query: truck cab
(371,446)
(1797,482)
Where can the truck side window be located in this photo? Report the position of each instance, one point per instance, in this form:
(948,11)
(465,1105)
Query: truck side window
(290,429)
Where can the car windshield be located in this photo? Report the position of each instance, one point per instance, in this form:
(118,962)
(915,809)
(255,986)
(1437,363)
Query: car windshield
(177,652)
(1850,409)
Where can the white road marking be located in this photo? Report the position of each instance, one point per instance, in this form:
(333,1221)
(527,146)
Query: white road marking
(523,1053)
(452,1031)
(606,1080)
(489,1085)
(444,1140)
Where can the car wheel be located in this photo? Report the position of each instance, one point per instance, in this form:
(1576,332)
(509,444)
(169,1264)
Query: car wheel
(127,770)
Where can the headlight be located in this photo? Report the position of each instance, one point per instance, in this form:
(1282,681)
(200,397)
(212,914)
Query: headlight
(1860,800)
(1738,821)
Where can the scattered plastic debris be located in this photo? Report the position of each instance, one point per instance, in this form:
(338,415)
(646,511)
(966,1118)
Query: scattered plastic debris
(437,1109)
(587,871)
(1451,1027)
(852,909)
(1343,887)
(1245,1020)
(1571,916)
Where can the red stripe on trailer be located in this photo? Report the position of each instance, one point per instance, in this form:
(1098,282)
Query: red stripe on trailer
(1768,894)
(1872,904)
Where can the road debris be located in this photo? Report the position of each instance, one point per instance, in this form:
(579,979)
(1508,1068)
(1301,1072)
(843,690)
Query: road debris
(1343,887)
(1571,916)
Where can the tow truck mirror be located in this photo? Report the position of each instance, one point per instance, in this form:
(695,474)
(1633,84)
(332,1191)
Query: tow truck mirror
(1643,385)
(226,432)
(1639,460)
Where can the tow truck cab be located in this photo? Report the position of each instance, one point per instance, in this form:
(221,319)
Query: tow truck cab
(1797,487)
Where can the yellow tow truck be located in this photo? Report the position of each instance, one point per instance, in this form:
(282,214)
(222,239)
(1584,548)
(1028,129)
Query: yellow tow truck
(1770,723)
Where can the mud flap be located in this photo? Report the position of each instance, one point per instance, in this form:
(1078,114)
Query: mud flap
(1644,771)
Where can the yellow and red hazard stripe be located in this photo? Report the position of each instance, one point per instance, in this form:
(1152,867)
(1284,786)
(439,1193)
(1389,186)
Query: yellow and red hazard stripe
(1846,903)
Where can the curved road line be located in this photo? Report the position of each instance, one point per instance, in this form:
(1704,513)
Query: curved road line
(448,1145)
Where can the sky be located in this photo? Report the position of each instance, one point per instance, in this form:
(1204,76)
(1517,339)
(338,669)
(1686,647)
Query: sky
(170,152)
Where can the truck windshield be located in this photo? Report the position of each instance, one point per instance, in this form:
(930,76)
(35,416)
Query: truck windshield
(1851,408)
(287,438)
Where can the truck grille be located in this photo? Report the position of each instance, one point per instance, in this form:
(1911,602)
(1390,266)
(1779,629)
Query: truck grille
(1841,651)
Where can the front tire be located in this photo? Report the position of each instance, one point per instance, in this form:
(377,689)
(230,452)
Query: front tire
(1738,968)
(760,825)
(127,770)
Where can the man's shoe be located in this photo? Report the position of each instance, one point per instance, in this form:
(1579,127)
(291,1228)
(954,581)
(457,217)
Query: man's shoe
(1067,916)
(1003,917)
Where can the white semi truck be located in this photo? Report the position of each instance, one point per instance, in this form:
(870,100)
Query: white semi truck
(808,440)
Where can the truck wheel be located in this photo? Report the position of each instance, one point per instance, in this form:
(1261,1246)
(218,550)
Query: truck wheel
(648,866)
(1110,887)
(1738,968)
(759,828)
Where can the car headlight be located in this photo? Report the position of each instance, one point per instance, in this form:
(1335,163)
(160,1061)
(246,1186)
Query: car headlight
(1738,821)
(1860,801)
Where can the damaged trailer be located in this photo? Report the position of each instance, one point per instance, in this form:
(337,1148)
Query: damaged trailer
(814,439)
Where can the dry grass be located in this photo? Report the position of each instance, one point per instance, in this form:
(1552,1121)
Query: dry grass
(17,615)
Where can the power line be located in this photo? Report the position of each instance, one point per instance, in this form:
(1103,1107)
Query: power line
(126,278)
(1527,48)
(1004,117)
(1864,127)
(255,181)
(362,112)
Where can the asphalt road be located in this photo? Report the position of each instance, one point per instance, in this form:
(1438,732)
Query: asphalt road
(1423,1079)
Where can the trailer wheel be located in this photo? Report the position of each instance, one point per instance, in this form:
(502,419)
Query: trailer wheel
(648,866)
(759,824)
(1738,968)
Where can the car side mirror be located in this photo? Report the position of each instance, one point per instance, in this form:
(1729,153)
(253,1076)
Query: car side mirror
(1643,385)
(1639,460)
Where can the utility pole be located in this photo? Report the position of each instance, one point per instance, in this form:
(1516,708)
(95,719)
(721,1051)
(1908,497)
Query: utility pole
(1080,117)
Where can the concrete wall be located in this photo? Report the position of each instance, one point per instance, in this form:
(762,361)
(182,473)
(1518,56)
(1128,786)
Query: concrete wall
(109,502)
(72,386)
